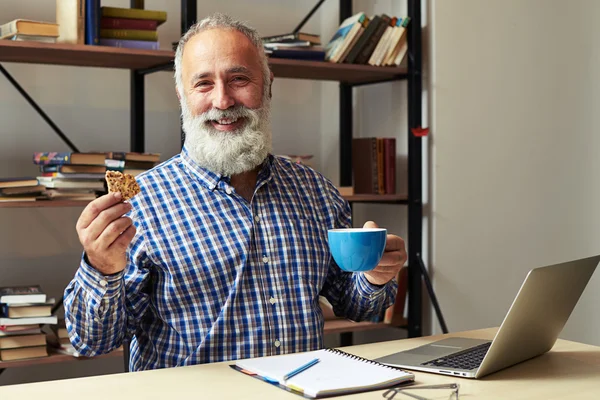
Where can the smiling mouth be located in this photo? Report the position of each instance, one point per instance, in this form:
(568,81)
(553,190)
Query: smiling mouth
(227,124)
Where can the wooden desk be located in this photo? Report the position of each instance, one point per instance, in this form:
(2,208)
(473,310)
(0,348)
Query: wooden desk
(569,370)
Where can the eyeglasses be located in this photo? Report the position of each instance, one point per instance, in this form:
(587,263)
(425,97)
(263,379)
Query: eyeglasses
(391,393)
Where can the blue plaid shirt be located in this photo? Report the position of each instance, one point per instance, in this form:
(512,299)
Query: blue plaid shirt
(212,277)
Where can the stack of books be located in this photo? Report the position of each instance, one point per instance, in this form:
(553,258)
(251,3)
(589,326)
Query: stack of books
(29,30)
(379,40)
(299,46)
(130,27)
(22,310)
(71,176)
(20,189)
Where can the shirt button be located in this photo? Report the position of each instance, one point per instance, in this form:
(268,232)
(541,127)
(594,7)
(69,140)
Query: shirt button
(103,283)
(257,218)
(277,343)
(228,190)
(265,259)
(272,300)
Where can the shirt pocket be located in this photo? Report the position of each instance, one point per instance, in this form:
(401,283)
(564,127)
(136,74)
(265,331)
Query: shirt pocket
(308,253)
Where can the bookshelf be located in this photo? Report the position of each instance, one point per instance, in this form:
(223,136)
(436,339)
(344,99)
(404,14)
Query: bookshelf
(135,59)
(143,62)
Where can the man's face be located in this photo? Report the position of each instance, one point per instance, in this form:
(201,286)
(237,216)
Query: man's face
(225,109)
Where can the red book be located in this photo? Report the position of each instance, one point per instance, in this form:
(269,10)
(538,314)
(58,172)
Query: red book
(126,23)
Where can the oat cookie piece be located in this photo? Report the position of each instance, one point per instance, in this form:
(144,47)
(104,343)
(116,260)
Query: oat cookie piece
(124,183)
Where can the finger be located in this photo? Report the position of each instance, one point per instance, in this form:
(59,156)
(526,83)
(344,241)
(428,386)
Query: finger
(370,224)
(124,239)
(113,231)
(394,243)
(393,258)
(95,207)
(105,218)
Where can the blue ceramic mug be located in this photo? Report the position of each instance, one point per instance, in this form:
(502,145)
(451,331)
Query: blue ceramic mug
(357,249)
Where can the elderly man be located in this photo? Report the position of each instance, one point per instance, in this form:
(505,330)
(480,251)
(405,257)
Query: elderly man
(223,254)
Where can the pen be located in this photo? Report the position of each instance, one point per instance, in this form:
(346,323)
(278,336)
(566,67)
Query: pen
(301,368)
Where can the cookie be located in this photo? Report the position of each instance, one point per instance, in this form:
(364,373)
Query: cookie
(124,183)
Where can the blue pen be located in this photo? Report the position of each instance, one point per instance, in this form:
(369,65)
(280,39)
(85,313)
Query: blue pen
(301,368)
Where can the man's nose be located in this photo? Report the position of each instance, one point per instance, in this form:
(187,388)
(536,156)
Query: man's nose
(222,99)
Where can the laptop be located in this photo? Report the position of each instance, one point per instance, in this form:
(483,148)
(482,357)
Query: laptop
(530,328)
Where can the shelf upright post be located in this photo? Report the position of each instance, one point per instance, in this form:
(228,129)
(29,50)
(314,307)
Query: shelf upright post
(136,98)
(345,98)
(415,170)
(189,16)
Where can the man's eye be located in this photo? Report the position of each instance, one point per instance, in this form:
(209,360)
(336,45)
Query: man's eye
(240,79)
(202,83)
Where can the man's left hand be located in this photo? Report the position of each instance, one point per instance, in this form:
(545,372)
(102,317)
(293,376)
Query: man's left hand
(394,257)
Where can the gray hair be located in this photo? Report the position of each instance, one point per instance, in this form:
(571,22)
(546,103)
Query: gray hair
(221,21)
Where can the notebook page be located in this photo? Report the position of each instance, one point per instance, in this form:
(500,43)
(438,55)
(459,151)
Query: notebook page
(276,367)
(339,374)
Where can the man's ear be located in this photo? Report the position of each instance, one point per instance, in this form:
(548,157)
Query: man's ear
(177,93)
(271,85)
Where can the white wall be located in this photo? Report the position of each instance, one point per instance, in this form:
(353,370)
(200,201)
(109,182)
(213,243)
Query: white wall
(515,88)
(91,105)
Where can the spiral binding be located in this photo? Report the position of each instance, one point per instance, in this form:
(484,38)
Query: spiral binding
(361,359)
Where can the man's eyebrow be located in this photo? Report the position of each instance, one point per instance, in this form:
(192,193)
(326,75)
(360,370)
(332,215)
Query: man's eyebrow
(239,70)
(199,76)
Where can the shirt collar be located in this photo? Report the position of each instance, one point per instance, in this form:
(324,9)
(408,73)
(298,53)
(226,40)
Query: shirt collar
(211,180)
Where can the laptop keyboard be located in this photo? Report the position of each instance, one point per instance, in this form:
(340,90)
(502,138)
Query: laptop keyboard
(468,359)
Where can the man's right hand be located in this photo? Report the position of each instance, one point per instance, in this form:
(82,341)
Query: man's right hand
(105,233)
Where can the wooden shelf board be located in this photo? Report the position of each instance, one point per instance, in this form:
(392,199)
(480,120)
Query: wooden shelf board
(318,70)
(377,198)
(344,325)
(114,57)
(54,358)
(82,55)
(43,203)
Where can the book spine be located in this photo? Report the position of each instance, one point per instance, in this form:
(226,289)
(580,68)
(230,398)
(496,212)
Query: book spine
(128,23)
(134,13)
(380,167)
(390,165)
(279,38)
(372,41)
(51,158)
(129,34)
(131,44)
(92,22)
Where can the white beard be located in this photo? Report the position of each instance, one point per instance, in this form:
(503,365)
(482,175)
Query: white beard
(233,152)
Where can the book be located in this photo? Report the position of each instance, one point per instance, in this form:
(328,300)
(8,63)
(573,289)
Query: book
(127,23)
(22,353)
(14,341)
(52,319)
(17,182)
(130,44)
(70,17)
(364,165)
(32,38)
(129,34)
(20,295)
(28,27)
(27,309)
(60,158)
(92,22)
(336,373)
(291,37)
(342,34)
(134,13)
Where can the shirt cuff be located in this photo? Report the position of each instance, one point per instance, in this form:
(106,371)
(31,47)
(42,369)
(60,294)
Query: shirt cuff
(372,291)
(95,283)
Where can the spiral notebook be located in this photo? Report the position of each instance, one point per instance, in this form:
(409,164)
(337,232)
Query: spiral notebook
(336,373)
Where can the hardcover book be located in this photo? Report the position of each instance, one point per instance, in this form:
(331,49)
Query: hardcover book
(22,294)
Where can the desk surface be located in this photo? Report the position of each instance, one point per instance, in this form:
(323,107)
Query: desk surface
(569,370)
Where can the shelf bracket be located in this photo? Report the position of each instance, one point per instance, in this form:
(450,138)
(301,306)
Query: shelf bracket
(37,108)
